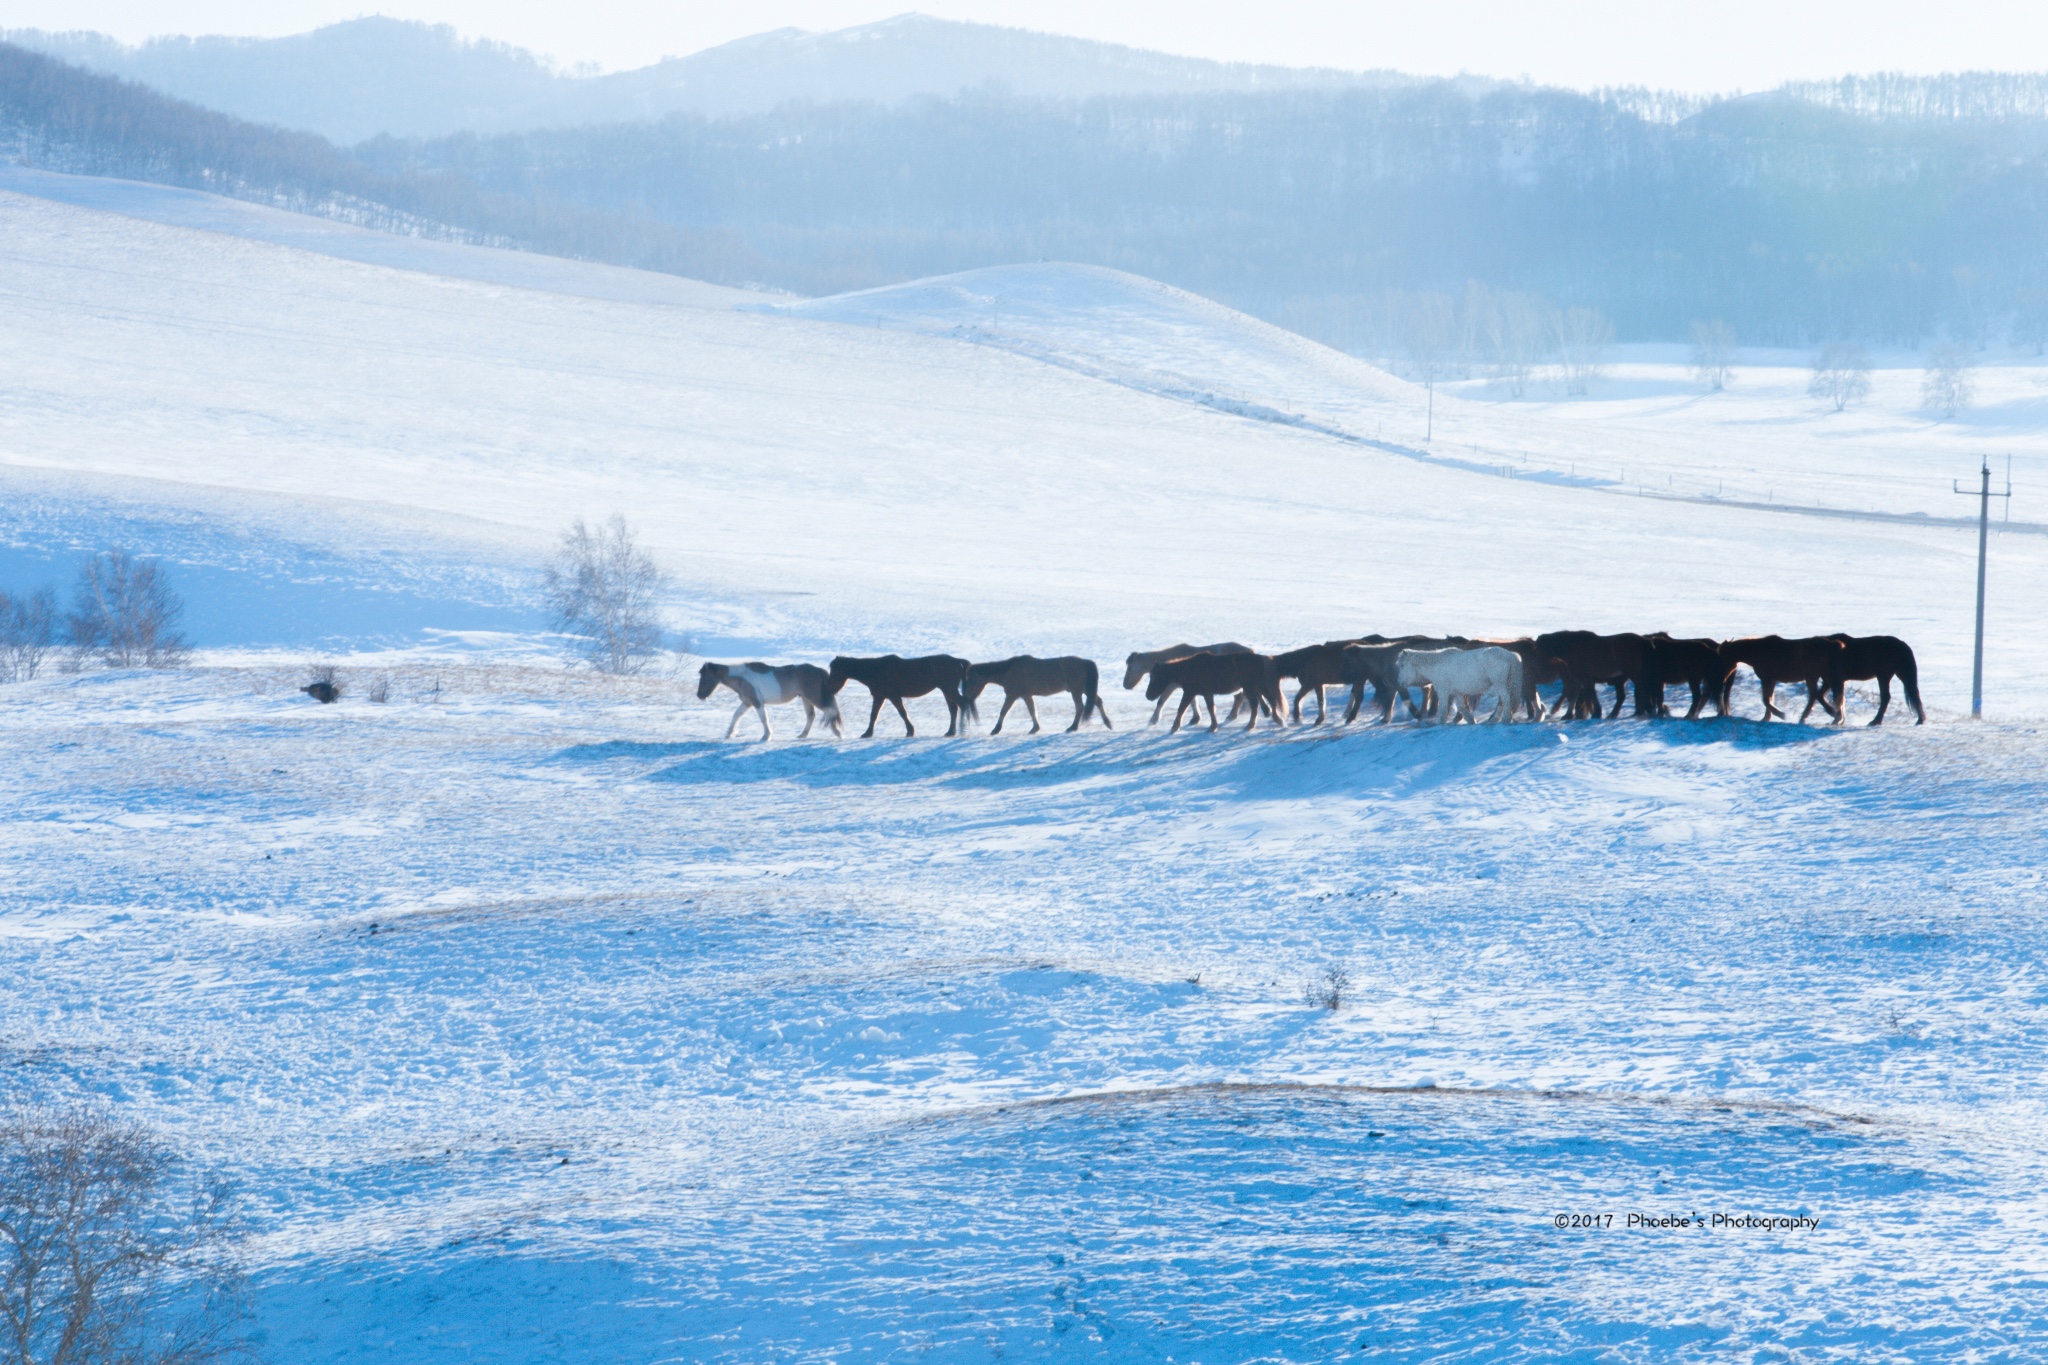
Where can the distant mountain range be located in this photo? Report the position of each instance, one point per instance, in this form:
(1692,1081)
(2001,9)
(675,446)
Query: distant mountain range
(353,81)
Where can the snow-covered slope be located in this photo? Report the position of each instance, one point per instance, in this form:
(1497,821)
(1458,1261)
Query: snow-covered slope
(821,484)
(542,1025)
(1135,332)
(175,207)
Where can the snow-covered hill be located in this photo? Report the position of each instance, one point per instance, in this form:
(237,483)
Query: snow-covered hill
(539,1023)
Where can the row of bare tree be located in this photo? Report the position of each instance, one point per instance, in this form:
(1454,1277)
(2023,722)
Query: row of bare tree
(123,613)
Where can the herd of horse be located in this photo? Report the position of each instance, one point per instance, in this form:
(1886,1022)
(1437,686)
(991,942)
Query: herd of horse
(1438,679)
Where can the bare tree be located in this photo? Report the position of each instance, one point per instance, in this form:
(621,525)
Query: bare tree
(1713,354)
(108,1255)
(1583,336)
(1951,380)
(28,629)
(1517,332)
(604,592)
(1328,989)
(124,611)
(1841,374)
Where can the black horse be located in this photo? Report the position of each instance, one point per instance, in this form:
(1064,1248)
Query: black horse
(1696,663)
(1881,657)
(892,677)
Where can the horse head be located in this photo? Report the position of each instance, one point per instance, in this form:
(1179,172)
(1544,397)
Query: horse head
(708,679)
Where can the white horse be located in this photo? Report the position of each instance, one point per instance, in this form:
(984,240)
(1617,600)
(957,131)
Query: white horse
(1463,676)
(760,686)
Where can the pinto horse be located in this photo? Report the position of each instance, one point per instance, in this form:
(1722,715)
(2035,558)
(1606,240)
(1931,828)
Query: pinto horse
(1206,676)
(1815,660)
(892,677)
(1025,678)
(1879,657)
(760,686)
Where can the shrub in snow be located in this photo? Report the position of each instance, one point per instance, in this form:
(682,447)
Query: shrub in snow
(1713,354)
(107,1254)
(326,686)
(1950,382)
(603,591)
(124,613)
(1841,374)
(1326,991)
(28,629)
(380,690)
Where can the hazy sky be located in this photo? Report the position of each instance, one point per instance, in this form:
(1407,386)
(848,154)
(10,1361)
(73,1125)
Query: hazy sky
(1702,45)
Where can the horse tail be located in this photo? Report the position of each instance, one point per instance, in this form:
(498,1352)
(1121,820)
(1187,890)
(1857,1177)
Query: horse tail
(1909,679)
(828,707)
(1514,697)
(967,706)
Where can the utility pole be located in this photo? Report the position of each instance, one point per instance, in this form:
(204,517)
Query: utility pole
(1984,496)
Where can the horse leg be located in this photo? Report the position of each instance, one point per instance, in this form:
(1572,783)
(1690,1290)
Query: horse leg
(869,733)
(1809,702)
(908,728)
(1180,709)
(810,715)
(767,730)
(1769,689)
(1031,709)
(1009,700)
(735,722)
(1081,708)
(1161,706)
(1884,697)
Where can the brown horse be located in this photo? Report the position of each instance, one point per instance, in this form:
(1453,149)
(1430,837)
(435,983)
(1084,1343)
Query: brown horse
(1590,660)
(1025,678)
(892,677)
(1696,663)
(1200,676)
(1318,667)
(1538,668)
(1815,660)
(1879,657)
(1144,661)
(1374,665)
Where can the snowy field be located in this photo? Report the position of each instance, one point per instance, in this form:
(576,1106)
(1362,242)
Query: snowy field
(541,1024)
